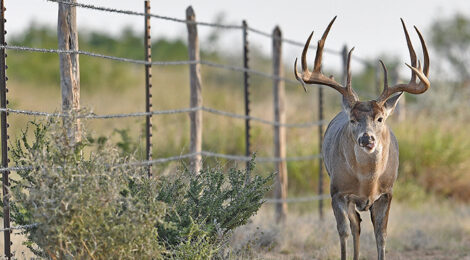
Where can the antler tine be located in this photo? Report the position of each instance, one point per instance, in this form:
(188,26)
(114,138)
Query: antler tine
(412,87)
(305,72)
(349,77)
(320,45)
(385,76)
(411,50)
(425,52)
(304,53)
(316,76)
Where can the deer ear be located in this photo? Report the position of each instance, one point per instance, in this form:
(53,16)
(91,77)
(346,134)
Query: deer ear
(391,103)
(347,106)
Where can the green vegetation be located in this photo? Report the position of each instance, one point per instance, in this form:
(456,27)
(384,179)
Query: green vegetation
(89,205)
(450,38)
(432,139)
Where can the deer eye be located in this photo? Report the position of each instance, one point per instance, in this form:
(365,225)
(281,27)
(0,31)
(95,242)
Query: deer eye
(380,119)
(352,121)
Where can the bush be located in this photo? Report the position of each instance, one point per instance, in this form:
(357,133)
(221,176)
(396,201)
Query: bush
(88,205)
(214,201)
(85,207)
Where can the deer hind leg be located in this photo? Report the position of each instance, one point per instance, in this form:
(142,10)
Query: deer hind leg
(379,215)
(355,224)
(340,209)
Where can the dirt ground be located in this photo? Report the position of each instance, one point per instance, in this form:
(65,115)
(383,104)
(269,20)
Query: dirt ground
(431,230)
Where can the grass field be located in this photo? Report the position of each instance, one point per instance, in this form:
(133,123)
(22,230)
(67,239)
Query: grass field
(430,230)
(427,219)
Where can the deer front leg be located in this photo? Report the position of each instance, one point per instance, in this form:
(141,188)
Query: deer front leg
(340,209)
(379,215)
(355,224)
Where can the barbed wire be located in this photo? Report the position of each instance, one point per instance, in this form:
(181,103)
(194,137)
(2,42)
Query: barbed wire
(266,200)
(216,25)
(164,112)
(158,63)
(299,199)
(129,12)
(20,227)
(189,155)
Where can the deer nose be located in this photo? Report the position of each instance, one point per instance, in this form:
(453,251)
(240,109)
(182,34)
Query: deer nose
(366,139)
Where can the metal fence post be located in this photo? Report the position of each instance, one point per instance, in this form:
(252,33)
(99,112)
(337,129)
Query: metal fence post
(67,36)
(279,132)
(4,137)
(246,90)
(196,89)
(320,146)
(148,86)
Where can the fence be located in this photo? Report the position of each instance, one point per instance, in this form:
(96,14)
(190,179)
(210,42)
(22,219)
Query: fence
(196,107)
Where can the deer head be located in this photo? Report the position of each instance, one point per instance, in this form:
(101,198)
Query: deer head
(366,118)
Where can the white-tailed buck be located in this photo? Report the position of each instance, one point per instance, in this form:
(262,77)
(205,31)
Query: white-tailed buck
(359,150)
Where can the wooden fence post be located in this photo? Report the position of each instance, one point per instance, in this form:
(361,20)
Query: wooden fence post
(67,36)
(377,75)
(400,110)
(148,87)
(279,132)
(196,89)
(4,138)
(344,60)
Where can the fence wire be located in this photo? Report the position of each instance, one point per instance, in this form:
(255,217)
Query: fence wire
(232,157)
(300,199)
(266,200)
(176,111)
(157,63)
(23,227)
(129,12)
(164,112)
(216,25)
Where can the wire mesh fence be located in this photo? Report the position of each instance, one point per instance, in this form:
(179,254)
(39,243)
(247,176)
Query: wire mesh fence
(276,77)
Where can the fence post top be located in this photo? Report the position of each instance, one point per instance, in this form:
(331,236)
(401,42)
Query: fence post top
(190,12)
(277,31)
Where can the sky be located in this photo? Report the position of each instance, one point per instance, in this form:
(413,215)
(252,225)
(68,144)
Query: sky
(372,27)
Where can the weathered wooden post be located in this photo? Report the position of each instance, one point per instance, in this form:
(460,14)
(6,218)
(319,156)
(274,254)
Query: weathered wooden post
(246,90)
(196,89)
(4,138)
(279,131)
(344,62)
(377,75)
(148,87)
(400,110)
(67,36)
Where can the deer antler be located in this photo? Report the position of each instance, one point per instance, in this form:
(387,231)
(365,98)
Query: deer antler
(316,77)
(416,71)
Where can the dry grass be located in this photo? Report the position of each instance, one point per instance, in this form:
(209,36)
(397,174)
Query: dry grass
(432,230)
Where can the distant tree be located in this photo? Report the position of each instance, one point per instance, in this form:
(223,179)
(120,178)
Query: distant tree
(450,38)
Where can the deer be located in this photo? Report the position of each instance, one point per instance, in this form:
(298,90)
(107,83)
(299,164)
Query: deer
(360,151)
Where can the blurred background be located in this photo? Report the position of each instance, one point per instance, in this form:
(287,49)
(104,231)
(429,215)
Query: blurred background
(434,175)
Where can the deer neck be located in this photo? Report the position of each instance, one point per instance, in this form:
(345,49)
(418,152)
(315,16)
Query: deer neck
(366,164)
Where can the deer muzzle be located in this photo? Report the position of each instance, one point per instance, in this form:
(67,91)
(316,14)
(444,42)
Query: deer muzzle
(367,141)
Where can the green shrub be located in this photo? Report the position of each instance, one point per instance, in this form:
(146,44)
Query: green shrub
(217,202)
(89,205)
(85,206)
